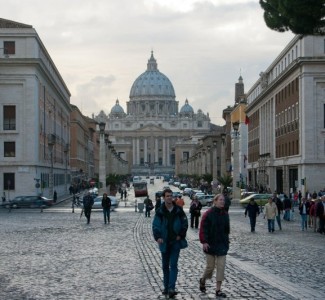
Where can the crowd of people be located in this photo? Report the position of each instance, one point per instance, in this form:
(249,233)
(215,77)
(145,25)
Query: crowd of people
(170,225)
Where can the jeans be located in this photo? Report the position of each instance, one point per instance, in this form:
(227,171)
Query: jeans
(286,215)
(278,220)
(107,213)
(303,221)
(169,265)
(270,224)
(253,223)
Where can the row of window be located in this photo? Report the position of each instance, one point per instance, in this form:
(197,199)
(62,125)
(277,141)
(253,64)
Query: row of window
(290,127)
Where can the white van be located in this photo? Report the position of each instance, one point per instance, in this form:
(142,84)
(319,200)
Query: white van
(136,179)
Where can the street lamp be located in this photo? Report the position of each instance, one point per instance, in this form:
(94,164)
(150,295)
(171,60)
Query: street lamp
(235,169)
(222,154)
(102,162)
(51,142)
(66,151)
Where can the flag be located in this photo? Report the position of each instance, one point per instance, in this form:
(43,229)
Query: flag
(246,120)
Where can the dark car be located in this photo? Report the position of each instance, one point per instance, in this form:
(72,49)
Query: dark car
(30,202)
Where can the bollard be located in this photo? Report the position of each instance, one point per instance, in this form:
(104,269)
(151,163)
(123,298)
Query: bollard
(72,207)
(135,205)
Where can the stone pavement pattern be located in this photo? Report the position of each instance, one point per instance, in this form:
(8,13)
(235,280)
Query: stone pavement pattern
(56,255)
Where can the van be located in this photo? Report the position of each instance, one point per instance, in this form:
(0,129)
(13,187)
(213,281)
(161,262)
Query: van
(136,179)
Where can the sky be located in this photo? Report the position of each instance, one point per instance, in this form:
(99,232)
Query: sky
(100,47)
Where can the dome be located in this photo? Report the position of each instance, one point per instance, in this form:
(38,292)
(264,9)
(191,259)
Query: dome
(186,108)
(117,108)
(152,83)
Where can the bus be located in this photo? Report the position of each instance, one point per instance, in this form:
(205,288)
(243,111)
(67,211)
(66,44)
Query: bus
(140,189)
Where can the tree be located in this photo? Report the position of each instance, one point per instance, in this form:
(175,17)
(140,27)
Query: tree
(300,16)
(225,180)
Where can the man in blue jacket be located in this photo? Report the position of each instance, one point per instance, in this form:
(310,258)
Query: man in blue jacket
(169,230)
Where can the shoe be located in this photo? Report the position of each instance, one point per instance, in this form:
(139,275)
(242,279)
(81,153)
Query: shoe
(220,294)
(172,294)
(165,292)
(202,286)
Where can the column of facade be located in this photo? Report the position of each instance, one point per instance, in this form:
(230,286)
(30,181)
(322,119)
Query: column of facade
(156,150)
(164,151)
(145,150)
(168,152)
(138,151)
(134,161)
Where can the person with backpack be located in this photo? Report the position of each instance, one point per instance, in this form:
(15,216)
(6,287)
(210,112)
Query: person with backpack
(106,205)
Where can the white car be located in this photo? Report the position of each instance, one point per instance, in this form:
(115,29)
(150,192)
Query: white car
(206,200)
(98,202)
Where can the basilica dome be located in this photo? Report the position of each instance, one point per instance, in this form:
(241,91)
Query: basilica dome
(186,108)
(152,84)
(117,108)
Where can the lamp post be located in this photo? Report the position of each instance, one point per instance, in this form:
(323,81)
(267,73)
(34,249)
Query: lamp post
(66,151)
(102,162)
(222,154)
(51,142)
(235,169)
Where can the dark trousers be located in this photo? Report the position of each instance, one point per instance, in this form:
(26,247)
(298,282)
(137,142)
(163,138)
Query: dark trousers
(147,213)
(252,220)
(106,212)
(195,220)
(87,211)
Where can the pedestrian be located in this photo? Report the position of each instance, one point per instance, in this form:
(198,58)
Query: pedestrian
(195,211)
(88,202)
(106,205)
(227,199)
(287,208)
(279,206)
(55,196)
(148,205)
(253,211)
(304,212)
(158,202)
(169,230)
(180,201)
(214,236)
(320,213)
(270,213)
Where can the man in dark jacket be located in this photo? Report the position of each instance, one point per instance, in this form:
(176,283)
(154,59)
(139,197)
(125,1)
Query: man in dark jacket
(214,236)
(88,202)
(106,205)
(169,230)
(253,211)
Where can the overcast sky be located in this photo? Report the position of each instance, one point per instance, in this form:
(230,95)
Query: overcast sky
(101,46)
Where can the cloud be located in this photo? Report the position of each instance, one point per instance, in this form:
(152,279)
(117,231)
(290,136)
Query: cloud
(201,46)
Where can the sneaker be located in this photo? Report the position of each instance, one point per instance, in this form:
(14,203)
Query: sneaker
(202,286)
(172,294)
(220,294)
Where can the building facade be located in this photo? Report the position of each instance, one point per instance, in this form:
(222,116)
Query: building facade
(286,111)
(34,116)
(147,134)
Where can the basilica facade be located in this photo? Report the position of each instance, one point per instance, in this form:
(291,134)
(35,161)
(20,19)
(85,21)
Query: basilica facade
(147,134)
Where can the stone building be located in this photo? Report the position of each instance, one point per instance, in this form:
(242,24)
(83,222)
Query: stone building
(147,133)
(34,115)
(286,111)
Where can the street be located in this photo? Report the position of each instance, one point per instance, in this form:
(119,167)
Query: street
(56,255)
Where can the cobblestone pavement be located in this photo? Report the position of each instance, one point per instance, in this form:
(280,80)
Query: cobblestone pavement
(56,255)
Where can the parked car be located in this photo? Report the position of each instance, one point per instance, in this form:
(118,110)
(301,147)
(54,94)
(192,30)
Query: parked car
(206,200)
(260,199)
(98,202)
(176,183)
(182,186)
(176,194)
(30,201)
(196,193)
(187,191)
(152,180)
